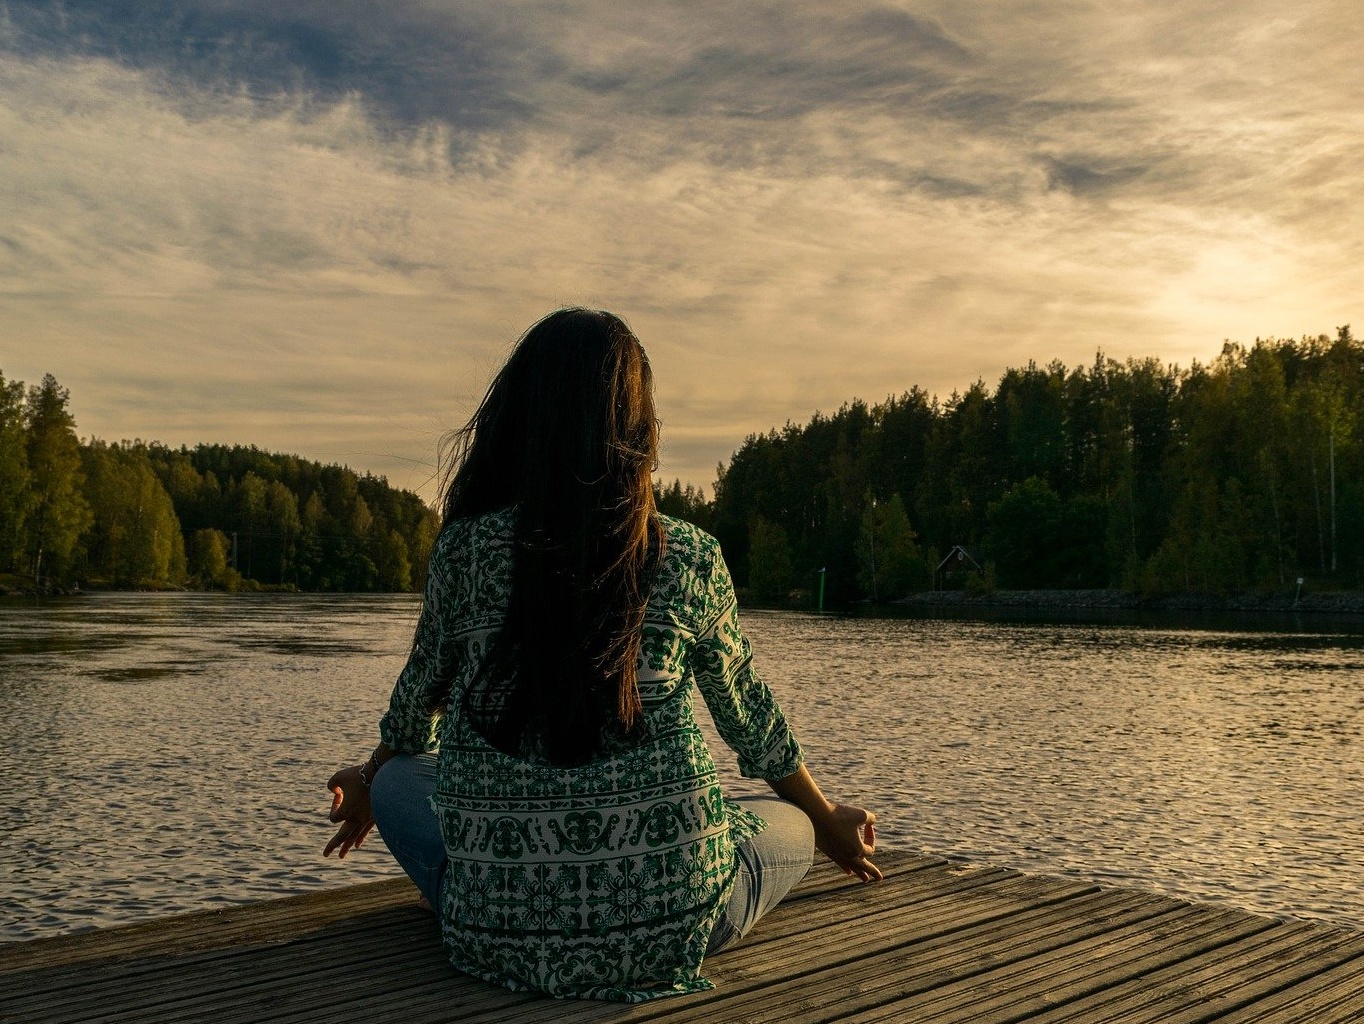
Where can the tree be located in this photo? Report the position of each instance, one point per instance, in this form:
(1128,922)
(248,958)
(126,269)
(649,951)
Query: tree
(392,562)
(15,483)
(252,522)
(421,540)
(134,537)
(59,512)
(896,450)
(688,503)
(769,559)
(1329,420)
(311,568)
(208,559)
(1025,535)
(890,563)
(1030,404)
(1131,446)
(280,533)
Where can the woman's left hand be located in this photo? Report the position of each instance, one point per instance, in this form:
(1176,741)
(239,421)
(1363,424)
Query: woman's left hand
(847,836)
(350,806)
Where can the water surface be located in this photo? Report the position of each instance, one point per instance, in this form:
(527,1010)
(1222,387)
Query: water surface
(169,752)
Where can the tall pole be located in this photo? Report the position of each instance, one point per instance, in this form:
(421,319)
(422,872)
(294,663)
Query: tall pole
(821,591)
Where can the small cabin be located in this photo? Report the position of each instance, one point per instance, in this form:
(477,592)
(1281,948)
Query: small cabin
(953,571)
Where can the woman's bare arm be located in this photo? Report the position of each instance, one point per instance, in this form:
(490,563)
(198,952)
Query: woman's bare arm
(843,833)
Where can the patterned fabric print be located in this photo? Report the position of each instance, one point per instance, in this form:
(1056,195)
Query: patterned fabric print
(604,880)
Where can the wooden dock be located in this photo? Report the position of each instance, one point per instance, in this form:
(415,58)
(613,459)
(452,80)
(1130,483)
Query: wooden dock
(936,942)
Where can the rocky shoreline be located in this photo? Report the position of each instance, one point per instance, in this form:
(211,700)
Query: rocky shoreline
(1335,602)
(12,588)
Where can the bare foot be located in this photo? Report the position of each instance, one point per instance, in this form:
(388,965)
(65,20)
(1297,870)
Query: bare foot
(425,904)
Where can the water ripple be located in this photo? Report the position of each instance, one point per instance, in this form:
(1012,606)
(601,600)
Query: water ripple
(1203,763)
(169,752)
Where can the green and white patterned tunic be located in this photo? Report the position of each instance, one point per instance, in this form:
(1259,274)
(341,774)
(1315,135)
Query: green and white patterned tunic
(605,880)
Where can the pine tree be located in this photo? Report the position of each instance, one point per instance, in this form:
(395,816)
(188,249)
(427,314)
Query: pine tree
(15,481)
(60,513)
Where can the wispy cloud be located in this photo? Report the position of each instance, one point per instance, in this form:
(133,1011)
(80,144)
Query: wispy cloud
(317,226)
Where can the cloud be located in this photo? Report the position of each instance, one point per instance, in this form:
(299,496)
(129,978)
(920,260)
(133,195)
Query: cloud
(414,61)
(317,227)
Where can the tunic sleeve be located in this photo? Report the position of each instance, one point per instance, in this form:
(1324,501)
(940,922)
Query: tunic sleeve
(745,711)
(423,686)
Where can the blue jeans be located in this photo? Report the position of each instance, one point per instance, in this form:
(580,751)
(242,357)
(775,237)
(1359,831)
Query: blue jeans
(768,865)
(400,800)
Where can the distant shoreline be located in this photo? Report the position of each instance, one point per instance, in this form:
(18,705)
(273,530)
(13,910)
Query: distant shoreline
(1333,602)
(1322,602)
(1347,604)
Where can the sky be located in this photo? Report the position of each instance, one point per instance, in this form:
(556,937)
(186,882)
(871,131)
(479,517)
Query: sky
(318,227)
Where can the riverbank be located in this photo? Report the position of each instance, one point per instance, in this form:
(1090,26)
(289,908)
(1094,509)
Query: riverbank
(1334,603)
(12,585)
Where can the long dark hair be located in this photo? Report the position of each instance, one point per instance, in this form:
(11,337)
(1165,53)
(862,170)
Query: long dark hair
(566,435)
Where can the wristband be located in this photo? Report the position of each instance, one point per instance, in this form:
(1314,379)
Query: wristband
(367,771)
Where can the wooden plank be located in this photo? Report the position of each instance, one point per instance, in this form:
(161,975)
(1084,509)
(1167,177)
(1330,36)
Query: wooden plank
(938,889)
(205,971)
(1225,979)
(936,908)
(1141,989)
(882,931)
(974,994)
(938,941)
(880,975)
(372,927)
(229,927)
(380,927)
(825,877)
(1336,995)
(175,986)
(759,967)
(760,989)
(820,894)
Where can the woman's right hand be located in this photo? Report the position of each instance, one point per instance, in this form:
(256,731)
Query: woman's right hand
(847,836)
(350,807)
(843,833)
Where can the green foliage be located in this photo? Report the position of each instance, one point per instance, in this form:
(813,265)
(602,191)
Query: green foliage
(1026,534)
(119,514)
(978,584)
(208,554)
(1039,539)
(688,503)
(58,510)
(134,537)
(769,560)
(391,561)
(890,563)
(15,482)
(290,523)
(1242,474)
(1238,475)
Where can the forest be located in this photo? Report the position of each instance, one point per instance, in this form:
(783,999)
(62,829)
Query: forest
(1239,476)
(1243,475)
(132,514)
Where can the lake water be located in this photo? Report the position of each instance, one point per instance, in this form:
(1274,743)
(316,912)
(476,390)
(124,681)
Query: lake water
(169,752)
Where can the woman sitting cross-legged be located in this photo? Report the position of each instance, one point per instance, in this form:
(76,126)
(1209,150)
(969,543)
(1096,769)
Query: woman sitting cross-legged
(540,774)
